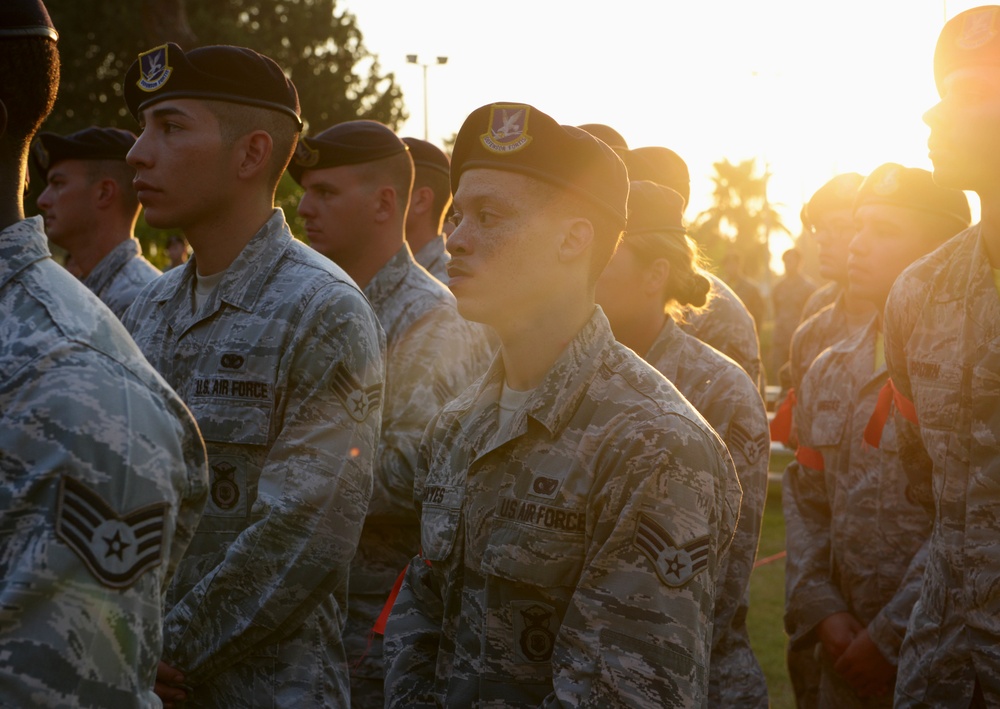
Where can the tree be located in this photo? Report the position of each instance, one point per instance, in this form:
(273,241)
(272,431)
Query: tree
(320,47)
(741,217)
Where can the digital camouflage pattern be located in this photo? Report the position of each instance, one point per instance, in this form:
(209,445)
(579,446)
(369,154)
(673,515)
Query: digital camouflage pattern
(282,367)
(432,355)
(723,393)
(856,542)
(102,481)
(570,556)
(821,297)
(120,275)
(433,256)
(942,347)
(727,325)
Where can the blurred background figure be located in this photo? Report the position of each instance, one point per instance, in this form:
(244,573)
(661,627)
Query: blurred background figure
(177,250)
(789,295)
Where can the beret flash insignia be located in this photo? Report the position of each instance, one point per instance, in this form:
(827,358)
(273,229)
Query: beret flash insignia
(305,155)
(888,184)
(154,68)
(508,131)
(675,565)
(116,549)
(978,28)
(41,155)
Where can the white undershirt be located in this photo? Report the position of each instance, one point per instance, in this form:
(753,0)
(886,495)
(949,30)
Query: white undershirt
(204,286)
(510,401)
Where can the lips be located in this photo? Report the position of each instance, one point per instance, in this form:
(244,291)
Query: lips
(143,187)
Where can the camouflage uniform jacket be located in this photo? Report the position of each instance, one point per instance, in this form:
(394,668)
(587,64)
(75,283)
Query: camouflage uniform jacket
(571,556)
(830,325)
(723,393)
(432,355)
(727,325)
(856,542)
(102,481)
(942,346)
(120,275)
(433,257)
(282,367)
(821,297)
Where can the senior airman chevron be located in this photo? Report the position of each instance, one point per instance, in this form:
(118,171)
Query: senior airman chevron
(675,565)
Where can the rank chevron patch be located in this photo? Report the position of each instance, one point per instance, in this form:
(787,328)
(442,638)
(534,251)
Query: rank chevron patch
(674,565)
(116,549)
(358,400)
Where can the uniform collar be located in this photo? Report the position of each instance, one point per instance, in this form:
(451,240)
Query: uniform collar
(21,244)
(667,341)
(431,253)
(109,266)
(389,278)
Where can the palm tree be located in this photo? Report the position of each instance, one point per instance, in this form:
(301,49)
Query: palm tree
(741,218)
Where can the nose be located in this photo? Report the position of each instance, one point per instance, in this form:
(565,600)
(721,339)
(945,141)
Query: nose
(44,200)
(305,208)
(932,114)
(458,242)
(138,154)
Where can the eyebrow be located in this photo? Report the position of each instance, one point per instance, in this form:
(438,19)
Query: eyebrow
(163,112)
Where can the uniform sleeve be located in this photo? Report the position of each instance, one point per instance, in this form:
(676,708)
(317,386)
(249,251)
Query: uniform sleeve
(900,311)
(439,356)
(313,492)
(638,627)
(888,627)
(810,593)
(413,630)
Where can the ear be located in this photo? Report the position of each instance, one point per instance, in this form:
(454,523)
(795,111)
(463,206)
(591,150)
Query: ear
(655,277)
(106,192)
(577,237)
(385,203)
(421,200)
(255,154)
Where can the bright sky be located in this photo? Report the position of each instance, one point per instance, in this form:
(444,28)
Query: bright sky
(811,89)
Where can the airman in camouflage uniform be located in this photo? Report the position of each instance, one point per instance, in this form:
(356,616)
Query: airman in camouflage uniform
(90,210)
(570,545)
(717,387)
(823,296)
(281,364)
(429,202)
(102,471)
(857,540)
(725,323)
(942,347)
(432,354)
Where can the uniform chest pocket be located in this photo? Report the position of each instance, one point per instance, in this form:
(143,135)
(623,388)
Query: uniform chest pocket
(937,390)
(829,423)
(440,515)
(536,555)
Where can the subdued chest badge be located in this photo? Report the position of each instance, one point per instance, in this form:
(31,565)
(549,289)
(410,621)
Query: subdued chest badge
(535,639)
(675,565)
(116,550)
(544,486)
(231,360)
(225,490)
(154,68)
(357,399)
(508,131)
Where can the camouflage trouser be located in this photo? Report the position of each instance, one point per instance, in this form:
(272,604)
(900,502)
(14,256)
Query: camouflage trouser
(804,671)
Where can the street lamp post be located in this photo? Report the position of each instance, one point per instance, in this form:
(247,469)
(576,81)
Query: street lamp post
(412,59)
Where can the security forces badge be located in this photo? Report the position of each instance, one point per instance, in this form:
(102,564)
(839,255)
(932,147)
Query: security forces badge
(154,68)
(508,131)
(889,183)
(116,549)
(41,155)
(305,155)
(534,639)
(675,565)
(978,28)
(358,400)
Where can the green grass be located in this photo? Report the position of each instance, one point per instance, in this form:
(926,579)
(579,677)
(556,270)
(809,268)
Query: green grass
(767,597)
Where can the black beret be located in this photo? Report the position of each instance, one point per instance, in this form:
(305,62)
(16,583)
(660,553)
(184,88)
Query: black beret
(516,137)
(88,144)
(970,38)
(427,155)
(218,73)
(349,143)
(913,188)
(606,133)
(654,209)
(660,165)
(25,18)
(838,193)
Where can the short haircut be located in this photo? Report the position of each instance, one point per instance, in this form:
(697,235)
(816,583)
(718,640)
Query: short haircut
(122,173)
(439,183)
(396,170)
(29,80)
(237,120)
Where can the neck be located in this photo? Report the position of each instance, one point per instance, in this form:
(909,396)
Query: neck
(419,236)
(11,198)
(364,265)
(217,242)
(990,225)
(530,346)
(94,247)
(640,334)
